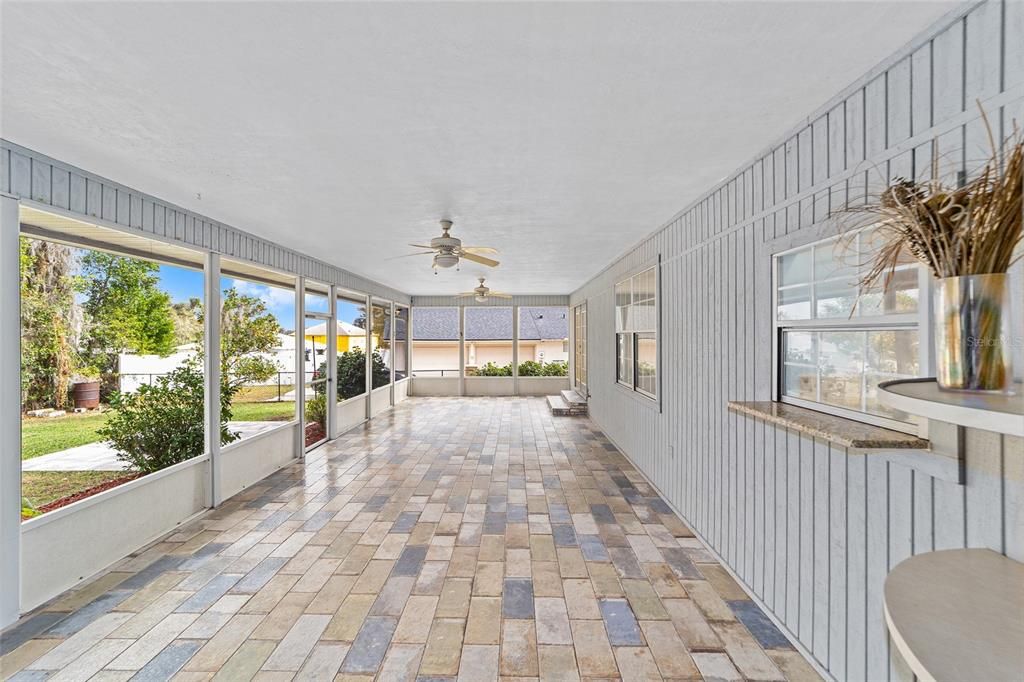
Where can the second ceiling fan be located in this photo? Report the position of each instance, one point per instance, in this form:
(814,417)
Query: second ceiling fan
(482,292)
(448,250)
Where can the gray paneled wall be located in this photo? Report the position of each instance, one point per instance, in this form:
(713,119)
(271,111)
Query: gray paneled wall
(809,528)
(46,182)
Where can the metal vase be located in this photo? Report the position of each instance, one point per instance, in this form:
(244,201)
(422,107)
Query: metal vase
(972,328)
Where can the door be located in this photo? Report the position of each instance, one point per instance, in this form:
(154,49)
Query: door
(579,316)
(318,398)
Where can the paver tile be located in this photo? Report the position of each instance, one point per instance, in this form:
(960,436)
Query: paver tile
(454,539)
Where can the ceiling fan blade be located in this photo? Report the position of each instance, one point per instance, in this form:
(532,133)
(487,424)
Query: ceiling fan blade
(480,249)
(479,259)
(496,294)
(408,255)
(465,294)
(421,246)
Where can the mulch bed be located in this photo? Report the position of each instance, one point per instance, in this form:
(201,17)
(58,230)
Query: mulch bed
(88,492)
(314,433)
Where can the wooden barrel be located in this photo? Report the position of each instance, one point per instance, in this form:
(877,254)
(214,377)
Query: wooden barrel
(87,394)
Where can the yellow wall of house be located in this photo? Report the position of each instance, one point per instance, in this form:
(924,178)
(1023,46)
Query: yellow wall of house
(345,343)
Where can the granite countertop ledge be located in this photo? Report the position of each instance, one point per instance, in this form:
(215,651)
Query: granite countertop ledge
(846,432)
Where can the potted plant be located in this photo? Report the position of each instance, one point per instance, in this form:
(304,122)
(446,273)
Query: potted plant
(967,236)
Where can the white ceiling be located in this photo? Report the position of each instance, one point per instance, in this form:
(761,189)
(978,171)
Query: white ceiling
(560,134)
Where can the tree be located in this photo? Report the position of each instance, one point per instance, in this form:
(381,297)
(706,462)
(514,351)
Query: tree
(188,325)
(125,310)
(248,331)
(160,425)
(48,316)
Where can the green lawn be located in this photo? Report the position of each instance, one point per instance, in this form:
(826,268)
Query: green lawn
(257,394)
(42,487)
(41,436)
(263,412)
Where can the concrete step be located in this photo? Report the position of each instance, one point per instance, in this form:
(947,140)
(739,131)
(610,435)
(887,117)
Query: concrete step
(559,407)
(573,398)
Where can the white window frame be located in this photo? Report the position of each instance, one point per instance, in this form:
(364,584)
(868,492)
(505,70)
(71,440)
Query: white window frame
(634,387)
(920,321)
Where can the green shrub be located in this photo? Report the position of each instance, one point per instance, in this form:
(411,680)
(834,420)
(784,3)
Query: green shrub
(493,370)
(556,369)
(352,373)
(160,425)
(532,368)
(28,510)
(316,410)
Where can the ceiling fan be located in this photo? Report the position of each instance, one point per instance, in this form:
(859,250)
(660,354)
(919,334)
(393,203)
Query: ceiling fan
(482,292)
(448,250)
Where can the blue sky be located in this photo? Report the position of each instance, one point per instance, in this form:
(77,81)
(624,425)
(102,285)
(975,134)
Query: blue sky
(183,284)
(180,283)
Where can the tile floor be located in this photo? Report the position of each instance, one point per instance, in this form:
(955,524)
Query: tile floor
(469,539)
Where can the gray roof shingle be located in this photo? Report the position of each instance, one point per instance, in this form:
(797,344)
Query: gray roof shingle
(483,324)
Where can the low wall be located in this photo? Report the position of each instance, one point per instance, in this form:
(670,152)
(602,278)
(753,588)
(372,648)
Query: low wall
(350,413)
(490,386)
(402,390)
(436,386)
(67,545)
(249,461)
(380,400)
(542,385)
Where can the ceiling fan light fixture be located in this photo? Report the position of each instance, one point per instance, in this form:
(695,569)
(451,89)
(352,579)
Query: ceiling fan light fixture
(445,260)
(481,299)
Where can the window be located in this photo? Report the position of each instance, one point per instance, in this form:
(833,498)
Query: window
(351,315)
(110,362)
(435,342)
(834,348)
(488,341)
(257,347)
(636,332)
(401,342)
(543,341)
(380,330)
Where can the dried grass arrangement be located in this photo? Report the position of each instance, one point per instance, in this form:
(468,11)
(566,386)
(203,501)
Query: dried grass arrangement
(968,236)
(955,231)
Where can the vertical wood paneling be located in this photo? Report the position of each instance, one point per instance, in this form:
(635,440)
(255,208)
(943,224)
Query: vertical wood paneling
(805,541)
(21,175)
(809,528)
(947,72)
(821,493)
(33,176)
(41,182)
(5,170)
(838,520)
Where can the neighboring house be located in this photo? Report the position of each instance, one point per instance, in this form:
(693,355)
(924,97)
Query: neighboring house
(137,370)
(349,336)
(543,337)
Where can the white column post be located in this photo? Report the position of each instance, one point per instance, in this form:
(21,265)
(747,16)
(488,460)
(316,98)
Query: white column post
(10,413)
(409,346)
(369,356)
(462,350)
(391,349)
(211,372)
(515,350)
(300,365)
(331,392)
